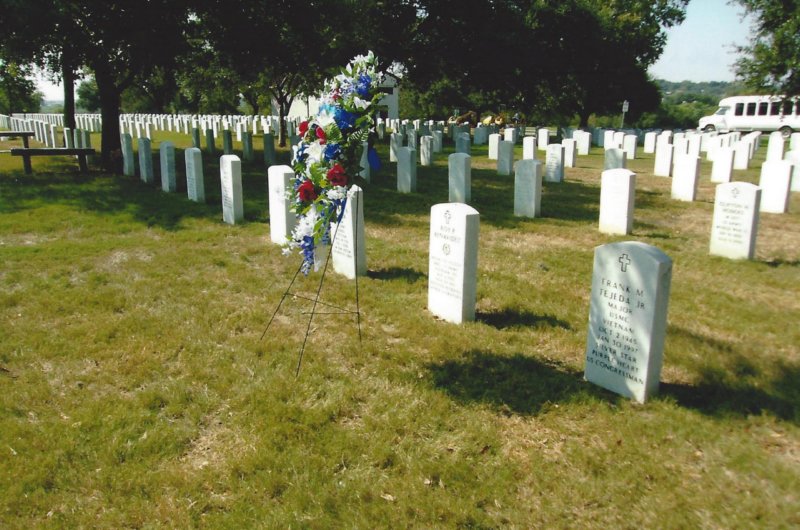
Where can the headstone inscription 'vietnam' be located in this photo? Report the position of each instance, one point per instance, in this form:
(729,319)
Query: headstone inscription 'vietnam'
(453,262)
(349,254)
(281,218)
(735,224)
(628,318)
(230,179)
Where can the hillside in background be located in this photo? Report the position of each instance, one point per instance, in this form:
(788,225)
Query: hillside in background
(688,91)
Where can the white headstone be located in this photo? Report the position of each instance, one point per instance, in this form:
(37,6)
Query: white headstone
(628,318)
(775,183)
(617,192)
(684,181)
(529,148)
(543,136)
(650,142)
(395,143)
(510,135)
(741,154)
(505,157)
(793,157)
(569,152)
(230,179)
(145,160)
(614,159)
(494,146)
(406,170)
(608,140)
(167,157)
(629,146)
(735,224)
(453,262)
(349,253)
(794,141)
(128,160)
(437,141)
(723,164)
(195,183)
(481,135)
(463,143)
(775,146)
(280,180)
(460,177)
(584,140)
(554,163)
(528,188)
(426,150)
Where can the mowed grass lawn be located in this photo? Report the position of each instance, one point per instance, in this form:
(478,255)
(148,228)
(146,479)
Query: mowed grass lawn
(135,390)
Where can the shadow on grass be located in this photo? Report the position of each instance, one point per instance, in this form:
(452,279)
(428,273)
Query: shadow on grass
(492,195)
(725,397)
(512,318)
(737,386)
(58,183)
(396,273)
(513,384)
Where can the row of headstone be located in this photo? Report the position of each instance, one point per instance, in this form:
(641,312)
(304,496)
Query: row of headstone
(628,304)
(230,174)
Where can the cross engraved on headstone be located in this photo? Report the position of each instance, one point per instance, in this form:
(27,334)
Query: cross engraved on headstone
(447,217)
(735,192)
(624,261)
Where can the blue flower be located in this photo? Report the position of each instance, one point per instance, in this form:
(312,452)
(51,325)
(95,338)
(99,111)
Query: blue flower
(372,158)
(363,85)
(344,120)
(332,152)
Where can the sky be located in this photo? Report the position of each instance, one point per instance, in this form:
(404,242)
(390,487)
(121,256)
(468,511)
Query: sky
(700,49)
(703,47)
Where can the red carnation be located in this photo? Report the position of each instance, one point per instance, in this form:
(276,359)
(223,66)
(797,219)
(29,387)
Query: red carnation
(302,128)
(306,191)
(321,135)
(337,176)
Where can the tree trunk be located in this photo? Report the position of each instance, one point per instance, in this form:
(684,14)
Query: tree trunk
(110,96)
(282,110)
(68,77)
(584,116)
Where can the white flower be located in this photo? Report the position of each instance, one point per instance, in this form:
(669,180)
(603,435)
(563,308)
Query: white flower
(325,118)
(360,103)
(315,152)
(336,193)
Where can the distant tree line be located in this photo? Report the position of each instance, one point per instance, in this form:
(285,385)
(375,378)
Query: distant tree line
(548,61)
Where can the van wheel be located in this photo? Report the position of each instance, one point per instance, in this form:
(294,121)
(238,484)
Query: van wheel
(785,131)
(709,128)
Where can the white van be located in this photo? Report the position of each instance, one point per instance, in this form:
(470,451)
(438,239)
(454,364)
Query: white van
(754,113)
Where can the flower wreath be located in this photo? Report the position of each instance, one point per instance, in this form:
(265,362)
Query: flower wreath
(328,154)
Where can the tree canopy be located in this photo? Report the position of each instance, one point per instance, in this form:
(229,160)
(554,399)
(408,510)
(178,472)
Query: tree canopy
(772,61)
(549,60)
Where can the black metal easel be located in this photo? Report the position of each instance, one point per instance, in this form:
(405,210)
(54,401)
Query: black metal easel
(316,300)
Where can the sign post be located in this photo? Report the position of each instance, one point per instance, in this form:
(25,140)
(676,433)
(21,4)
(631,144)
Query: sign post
(624,110)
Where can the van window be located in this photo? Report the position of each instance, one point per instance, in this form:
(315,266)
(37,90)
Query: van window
(775,109)
(722,111)
(751,109)
(763,108)
(739,111)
